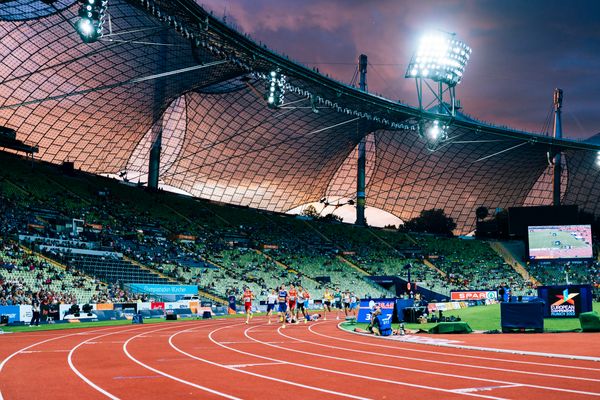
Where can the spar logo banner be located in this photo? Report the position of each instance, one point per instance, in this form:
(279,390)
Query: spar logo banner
(474,295)
(367,307)
(564,303)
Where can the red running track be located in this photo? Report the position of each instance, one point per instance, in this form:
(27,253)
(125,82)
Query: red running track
(226,358)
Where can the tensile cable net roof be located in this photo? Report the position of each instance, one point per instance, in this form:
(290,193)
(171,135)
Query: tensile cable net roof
(170,68)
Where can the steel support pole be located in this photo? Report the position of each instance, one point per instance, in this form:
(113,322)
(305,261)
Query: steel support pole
(362,153)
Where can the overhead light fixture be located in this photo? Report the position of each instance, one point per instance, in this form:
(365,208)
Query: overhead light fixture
(92,13)
(275,94)
(598,159)
(434,132)
(440,57)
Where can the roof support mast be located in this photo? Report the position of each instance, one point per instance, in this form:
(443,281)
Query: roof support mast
(157,125)
(558,97)
(362,153)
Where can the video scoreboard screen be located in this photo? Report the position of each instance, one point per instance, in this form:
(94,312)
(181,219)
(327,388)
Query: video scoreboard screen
(560,242)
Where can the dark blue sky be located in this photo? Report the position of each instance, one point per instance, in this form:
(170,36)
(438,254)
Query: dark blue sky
(522,50)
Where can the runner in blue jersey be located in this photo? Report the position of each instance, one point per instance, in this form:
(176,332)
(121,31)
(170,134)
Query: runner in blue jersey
(282,299)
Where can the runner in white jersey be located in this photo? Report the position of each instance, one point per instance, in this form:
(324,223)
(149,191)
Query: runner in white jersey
(271,301)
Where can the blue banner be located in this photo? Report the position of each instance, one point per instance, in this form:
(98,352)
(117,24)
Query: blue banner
(401,304)
(13,313)
(163,290)
(367,307)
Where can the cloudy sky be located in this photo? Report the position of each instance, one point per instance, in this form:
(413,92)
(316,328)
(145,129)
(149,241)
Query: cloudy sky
(522,50)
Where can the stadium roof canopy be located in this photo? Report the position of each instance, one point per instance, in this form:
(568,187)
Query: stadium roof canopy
(170,64)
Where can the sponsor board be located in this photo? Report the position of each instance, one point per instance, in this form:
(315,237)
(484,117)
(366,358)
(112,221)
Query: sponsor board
(566,303)
(367,307)
(474,295)
(453,305)
(164,290)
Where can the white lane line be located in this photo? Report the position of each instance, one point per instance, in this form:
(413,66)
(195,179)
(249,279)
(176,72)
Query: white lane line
(484,388)
(10,357)
(203,388)
(451,364)
(137,377)
(91,340)
(85,378)
(43,351)
(424,371)
(437,353)
(487,349)
(252,365)
(254,373)
(328,370)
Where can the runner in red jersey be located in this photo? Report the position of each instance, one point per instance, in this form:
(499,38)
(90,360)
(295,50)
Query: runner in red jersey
(292,298)
(247,298)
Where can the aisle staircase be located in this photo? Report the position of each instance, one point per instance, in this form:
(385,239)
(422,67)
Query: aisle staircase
(512,259)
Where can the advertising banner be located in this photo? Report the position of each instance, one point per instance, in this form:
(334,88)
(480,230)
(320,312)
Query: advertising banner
(13,313)
(163,290)
(566,301)
(157,305)
(474,295)
(367,307)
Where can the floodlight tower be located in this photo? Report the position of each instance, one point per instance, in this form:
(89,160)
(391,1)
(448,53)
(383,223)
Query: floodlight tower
(440,58)
(558,98)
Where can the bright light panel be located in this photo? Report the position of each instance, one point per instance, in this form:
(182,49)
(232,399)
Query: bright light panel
(441,58)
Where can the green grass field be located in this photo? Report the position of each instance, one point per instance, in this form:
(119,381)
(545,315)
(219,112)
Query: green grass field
(487,318)
(547,240)
(53,327)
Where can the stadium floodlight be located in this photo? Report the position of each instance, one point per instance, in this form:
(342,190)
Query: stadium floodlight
(434,132)
(92,13)
(598,159)
(441,58)
(276,87)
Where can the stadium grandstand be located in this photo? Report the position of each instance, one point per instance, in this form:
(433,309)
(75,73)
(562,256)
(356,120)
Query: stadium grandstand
(151,158)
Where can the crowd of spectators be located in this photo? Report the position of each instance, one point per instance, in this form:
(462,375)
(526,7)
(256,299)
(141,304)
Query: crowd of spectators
(226,247)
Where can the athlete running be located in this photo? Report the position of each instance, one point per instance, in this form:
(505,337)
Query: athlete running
(327,300)
(303,297)
(247,298)
(337,299)
(282,299)
(292,300)
(271,301)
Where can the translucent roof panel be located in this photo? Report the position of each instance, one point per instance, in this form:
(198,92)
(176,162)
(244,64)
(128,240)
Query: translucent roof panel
(170,68)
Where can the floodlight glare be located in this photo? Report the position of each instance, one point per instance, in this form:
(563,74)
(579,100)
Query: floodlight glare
(598,159)
(441,58)
(434,132)
(92,13)
(276,89)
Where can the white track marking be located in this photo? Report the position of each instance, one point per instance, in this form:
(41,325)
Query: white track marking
(326,370)
(491,349)
(85,378)
(93,340)
(252,365)
(7,359)
(204,388)
(436,353)
(254,373)
(423,371)
(452,364)
(484,388)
